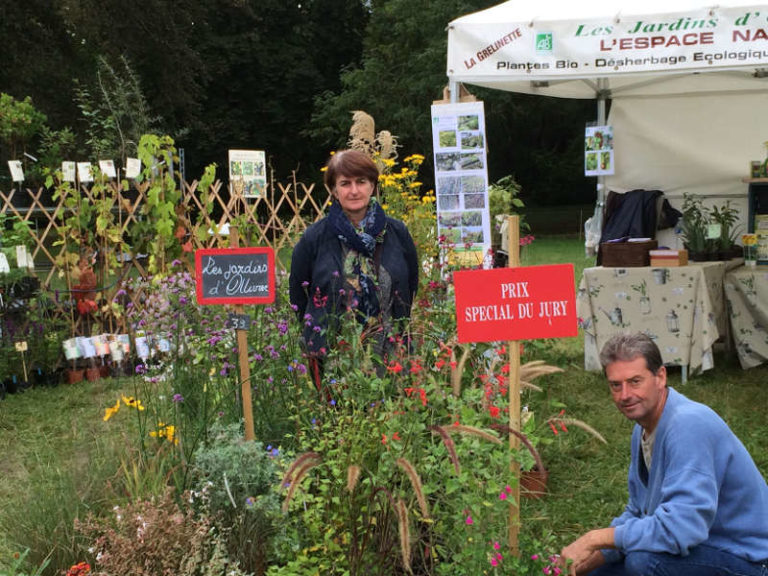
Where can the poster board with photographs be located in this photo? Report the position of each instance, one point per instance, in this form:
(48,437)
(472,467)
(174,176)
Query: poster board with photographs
(248,172)
(598,151)
(461,180)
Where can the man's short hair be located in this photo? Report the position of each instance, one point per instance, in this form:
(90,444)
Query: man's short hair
(627,347)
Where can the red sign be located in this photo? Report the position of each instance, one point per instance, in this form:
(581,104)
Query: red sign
(522,303)
(235,275)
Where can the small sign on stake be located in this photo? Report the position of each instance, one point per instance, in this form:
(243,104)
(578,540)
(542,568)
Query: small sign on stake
(235,275)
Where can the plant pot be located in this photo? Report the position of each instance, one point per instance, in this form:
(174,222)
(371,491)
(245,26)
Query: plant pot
(92,374)
(75,375)
(533,483)
(104,371)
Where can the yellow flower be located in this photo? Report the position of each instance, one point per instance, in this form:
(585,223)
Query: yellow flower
(415,184)
(132,402)
(111,410)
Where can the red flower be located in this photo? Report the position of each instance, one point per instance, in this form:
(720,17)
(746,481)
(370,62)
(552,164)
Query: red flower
(494,411)
(416,368)
(395,367)
(86,306)
(79,569)
(187,246)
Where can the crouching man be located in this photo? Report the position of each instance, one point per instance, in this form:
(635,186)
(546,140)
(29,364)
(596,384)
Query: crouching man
(698,505)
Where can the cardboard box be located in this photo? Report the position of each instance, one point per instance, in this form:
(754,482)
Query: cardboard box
(661,258)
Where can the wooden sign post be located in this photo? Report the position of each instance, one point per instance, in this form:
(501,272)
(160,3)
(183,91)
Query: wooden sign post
(513,304)
(237,276)
(513,232)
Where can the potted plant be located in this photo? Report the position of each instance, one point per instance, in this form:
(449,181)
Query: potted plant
(726,216)
(503,200)
(694,227)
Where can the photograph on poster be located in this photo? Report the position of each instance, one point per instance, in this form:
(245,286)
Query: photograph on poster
(448,161)
(449,184)
(472,235)
(474,218)
(472,162)
(469,122)
(474,201)
(447,139)
(473,184)
(471,141)
(449,202)
(449,219)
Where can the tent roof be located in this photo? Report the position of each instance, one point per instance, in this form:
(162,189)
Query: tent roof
(699,47)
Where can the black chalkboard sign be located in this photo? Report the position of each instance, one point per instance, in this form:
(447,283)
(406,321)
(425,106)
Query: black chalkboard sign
(235,275)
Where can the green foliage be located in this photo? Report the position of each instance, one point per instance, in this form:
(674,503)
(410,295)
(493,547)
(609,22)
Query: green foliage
(20,121)
(694,224)
(16,567)
(235,482)
(115,111)
(727,217)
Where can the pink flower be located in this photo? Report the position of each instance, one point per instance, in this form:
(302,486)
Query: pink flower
(503,496)
(496,545)
(494,562)
(469,520)
(508,490)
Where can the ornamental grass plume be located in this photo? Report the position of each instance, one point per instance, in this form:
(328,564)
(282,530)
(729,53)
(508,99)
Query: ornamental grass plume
(534,369)
(473,431)
(449,444)
(415,479)
(353,475)
(405,534)
(578,424)
(296,473)
(362,134)
(457,368)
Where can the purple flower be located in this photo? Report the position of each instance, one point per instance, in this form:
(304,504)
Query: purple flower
(178,398)
(141,369)
(332,402)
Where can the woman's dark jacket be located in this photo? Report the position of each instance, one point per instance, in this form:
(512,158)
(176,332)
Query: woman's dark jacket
(317,277)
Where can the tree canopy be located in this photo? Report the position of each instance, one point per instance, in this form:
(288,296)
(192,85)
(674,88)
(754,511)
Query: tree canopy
(283,77)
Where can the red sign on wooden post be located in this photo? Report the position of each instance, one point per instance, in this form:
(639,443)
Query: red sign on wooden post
(523,303)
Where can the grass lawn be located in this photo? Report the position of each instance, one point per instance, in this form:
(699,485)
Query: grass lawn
(59,460)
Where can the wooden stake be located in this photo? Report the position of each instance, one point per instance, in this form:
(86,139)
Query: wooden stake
(513,233)
(242,352)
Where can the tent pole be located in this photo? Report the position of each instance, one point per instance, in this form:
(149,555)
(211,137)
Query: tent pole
(602,95)
(453,87)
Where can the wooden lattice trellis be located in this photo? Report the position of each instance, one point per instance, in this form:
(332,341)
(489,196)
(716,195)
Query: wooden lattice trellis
(275,219)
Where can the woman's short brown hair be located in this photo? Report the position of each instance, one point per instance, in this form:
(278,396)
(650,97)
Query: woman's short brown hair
(350,163)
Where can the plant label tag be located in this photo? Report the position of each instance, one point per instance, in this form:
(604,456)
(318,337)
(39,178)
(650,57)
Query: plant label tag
(84,172)
(21,346)
(68,171)
(4,268)
(107,168)
(239,321)
(24,258)
(132,168)
(713,231)
(17,172)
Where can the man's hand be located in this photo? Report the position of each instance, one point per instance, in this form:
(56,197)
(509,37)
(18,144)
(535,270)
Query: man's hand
(584,553)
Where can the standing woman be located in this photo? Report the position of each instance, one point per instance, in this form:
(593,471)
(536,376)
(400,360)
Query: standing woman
(356,259)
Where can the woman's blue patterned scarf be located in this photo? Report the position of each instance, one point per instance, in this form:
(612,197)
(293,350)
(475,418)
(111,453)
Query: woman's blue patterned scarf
(360,270)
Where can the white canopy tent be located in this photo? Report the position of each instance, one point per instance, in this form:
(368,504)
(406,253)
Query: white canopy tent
(687,80)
